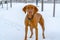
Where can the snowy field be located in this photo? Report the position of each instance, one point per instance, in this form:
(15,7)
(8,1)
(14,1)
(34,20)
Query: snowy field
(12,22)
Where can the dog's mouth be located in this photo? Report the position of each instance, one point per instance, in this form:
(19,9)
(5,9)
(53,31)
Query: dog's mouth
(30,11)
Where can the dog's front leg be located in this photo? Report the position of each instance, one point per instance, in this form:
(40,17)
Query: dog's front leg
(36,32)
(26,30)
(31,29)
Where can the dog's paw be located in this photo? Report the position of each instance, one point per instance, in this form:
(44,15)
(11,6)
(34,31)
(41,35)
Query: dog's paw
(25,39)
(30,37)
(43,37)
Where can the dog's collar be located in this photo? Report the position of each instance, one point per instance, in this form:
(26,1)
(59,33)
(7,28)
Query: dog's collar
(31,18)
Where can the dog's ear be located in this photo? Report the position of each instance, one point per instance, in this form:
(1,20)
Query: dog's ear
(24,9)
(36,9)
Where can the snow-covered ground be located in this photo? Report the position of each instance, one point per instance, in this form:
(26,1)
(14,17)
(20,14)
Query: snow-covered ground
(12,22)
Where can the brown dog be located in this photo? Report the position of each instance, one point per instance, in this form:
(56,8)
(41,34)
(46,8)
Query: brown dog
(32,19)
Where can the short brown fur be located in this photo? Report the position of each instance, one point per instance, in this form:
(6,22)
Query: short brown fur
(37,18)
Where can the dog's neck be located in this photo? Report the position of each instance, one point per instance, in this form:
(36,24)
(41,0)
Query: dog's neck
(31,18)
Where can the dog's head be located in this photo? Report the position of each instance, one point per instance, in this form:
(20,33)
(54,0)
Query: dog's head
(30,10)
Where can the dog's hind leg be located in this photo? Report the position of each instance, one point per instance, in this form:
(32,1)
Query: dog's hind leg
(36,33)
(31,29)
(41,22)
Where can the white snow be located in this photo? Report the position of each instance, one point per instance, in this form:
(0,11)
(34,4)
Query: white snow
(12,22)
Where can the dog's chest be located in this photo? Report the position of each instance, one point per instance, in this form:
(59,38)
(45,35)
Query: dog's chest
(32,23)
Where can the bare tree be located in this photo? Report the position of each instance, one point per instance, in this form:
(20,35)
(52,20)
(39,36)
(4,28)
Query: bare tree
(42,6)
(16,0)
(11,3)
(37,2)
(25,1)
(2,3)
(54,9)
(6,2)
